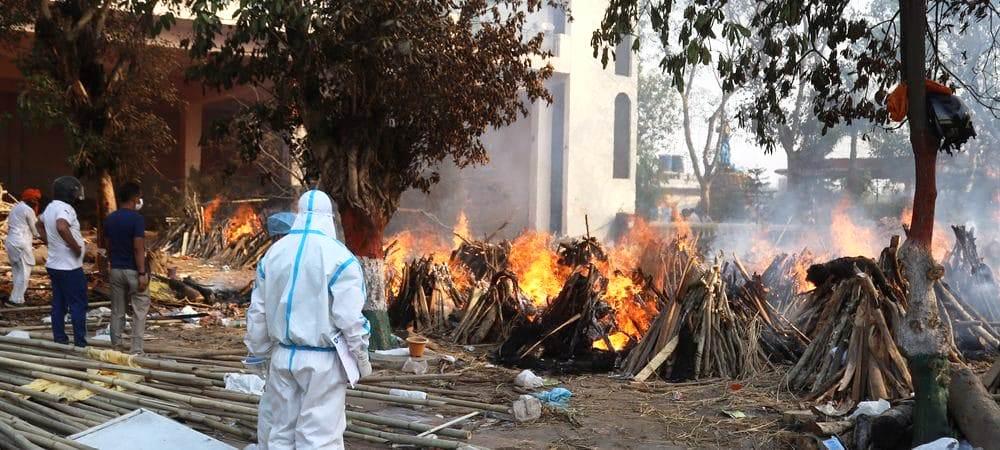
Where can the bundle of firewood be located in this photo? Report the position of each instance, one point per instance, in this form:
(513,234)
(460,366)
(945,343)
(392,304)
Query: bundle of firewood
(581,251)
(970,277)
(851,318)
(490,314)
(779,339)
(426,297)
(704,333)
(785,284)
(482,259)
(192,236)
(570,325)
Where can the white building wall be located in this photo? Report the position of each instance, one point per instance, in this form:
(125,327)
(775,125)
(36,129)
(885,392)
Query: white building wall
(516,187)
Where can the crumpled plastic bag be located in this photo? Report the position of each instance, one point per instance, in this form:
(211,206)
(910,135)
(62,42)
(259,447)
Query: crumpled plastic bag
(558,397)
(414,366)
(246,383)
(944,443)
(526,408)
(528,380)
(871,408)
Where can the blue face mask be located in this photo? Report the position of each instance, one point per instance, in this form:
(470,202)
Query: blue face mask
(279,224)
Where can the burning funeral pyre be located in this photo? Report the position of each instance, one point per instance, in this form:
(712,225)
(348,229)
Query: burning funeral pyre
(237,239)
(654,304)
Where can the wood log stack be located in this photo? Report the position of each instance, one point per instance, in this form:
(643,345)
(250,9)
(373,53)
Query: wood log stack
(786,284)
(704,333)
(491,313)
(96,386)
(851,319)
(971,278)
(192,236)
(426,298)
(482,259)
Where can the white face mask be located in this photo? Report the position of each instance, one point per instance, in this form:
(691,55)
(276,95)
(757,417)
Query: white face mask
(138,205)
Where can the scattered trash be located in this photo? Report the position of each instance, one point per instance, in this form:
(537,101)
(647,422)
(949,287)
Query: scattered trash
(831,411)
(528,380)
(527,408)
(558,397)
(735,414)
(247,383)
(393,352)
(833,444)
(871,408)
(20,334)
(676,396)
(408,394)
(469,348)
(256,365)
(733,387)
(415,366)
(945,443)
(97,313)
(234,323)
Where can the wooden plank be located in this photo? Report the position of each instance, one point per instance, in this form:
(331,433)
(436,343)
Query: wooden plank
(657,360)
(992,376)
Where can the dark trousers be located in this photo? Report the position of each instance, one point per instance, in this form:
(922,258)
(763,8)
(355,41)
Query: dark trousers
(69,291)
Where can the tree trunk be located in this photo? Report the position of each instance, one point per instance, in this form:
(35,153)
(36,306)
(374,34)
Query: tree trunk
(363,236)
(921,333)
(973,408)
(106,204)
(706,201)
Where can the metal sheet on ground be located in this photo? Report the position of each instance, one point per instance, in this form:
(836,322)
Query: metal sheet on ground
(146,430)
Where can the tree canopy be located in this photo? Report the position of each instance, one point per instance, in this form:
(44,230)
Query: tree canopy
(95,71)
(384,89)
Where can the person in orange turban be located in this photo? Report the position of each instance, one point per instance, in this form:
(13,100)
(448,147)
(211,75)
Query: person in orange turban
(21,231)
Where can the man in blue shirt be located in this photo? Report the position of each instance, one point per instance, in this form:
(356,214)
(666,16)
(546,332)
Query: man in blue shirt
(124,236)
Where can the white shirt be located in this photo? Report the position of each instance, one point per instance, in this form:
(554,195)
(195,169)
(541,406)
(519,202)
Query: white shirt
(21,226)
(61,256)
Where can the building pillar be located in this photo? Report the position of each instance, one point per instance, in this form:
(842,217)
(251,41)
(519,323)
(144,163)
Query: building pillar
(191,128)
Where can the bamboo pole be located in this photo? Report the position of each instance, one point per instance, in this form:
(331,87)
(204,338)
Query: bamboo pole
(406,425)
(66,363)
(20,309)
(155,392)
(17,437)
(451,401)
(405,438)
(425,377)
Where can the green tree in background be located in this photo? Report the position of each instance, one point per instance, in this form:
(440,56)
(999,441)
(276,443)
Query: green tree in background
(373,94)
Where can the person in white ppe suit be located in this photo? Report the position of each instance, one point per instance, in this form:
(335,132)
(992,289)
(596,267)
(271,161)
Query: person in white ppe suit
(305,314)
(21,231)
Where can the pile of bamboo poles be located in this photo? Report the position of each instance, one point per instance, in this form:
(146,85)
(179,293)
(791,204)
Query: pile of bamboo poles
(188,388)
(426,298)
(853,354)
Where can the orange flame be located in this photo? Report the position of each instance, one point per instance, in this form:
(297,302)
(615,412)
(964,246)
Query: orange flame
(943,240)
(618,341)
(244,222)
(848,238)
(208,213)
(461,232)
(536,265)
(633,315)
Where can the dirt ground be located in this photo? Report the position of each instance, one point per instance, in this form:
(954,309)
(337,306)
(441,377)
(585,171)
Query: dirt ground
(603,412)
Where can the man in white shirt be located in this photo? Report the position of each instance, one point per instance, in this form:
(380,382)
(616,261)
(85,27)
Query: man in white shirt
(20,232)
(60,230)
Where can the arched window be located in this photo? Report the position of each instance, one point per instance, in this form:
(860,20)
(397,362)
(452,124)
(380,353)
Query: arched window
(623,57)
(622,167)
